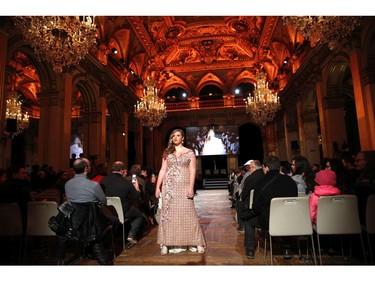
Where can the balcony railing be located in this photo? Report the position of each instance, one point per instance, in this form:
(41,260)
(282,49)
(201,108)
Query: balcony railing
(205,104)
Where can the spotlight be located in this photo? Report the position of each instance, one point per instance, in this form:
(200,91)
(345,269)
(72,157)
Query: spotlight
(114,51)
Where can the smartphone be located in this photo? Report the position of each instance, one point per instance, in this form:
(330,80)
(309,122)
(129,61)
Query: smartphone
(134,178)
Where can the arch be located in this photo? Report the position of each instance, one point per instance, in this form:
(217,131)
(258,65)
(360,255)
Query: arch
(88,93)
(174,82)
(211,79)
(47,77)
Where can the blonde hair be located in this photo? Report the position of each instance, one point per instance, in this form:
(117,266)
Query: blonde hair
(171,148)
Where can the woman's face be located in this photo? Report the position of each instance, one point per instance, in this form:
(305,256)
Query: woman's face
(177,138)
(293,166)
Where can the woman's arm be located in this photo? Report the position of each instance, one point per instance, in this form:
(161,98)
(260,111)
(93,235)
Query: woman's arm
(160,178)
(192,168)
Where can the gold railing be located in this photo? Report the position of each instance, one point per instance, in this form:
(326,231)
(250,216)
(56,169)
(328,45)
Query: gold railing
(204,104)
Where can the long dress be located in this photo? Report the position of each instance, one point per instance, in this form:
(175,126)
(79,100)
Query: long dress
(179,223)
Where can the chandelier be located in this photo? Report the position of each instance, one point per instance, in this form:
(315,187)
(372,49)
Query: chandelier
(324,29)
(150,110)
(263,104)
(59,40)
(14,111)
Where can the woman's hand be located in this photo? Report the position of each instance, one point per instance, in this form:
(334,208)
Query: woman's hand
(190,194)
(157,193)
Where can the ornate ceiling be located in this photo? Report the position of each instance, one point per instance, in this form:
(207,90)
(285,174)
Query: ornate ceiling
(188,48)
(191,51)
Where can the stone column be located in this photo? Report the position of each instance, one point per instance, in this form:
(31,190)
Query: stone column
(364,95)
(52,148)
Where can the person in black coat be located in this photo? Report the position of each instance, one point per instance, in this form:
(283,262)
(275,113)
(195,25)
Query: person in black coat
(271,186)
(116,185)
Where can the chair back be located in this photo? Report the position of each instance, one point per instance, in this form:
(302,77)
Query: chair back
(115,201)
(251,199)
(370,214)
(302,194)
(290,216)
(38,215)
(10,220)
(338,215)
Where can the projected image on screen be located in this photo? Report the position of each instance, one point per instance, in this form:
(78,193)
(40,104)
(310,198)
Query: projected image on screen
(217,140)
(76,147)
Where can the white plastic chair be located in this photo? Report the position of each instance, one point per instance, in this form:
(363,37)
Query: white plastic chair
(11,223)
(290,216)
(38,215)
(370,221)
(338,215)
(115,201)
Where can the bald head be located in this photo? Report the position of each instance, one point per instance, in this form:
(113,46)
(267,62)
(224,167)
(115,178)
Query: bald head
(80,165)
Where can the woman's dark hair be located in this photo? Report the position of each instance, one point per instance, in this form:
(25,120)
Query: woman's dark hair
(303,167)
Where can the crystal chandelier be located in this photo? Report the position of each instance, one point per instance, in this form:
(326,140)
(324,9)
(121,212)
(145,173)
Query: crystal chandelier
(324,29)
(14,111)
(59,40)
(150,110)
(263,104)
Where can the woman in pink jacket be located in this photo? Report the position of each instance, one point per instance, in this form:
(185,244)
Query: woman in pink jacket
(326,180)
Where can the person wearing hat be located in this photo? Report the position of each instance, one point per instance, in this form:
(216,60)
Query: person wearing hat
(326,181)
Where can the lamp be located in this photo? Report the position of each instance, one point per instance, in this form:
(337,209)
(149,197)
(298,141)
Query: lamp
(150,110)
(263,104)
(323,29)
(59,40)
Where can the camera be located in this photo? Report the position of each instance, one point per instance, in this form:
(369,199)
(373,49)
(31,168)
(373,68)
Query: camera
(134,178)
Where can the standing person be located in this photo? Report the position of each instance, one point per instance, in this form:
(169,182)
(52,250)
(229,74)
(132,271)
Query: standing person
(116,185)
(179,223)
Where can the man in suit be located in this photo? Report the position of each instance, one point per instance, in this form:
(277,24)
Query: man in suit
(116,185)
(272,185)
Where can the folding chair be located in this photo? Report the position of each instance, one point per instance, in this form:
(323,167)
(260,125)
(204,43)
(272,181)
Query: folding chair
(290,216)
(38,215)
(11,223)
(115,201)
(338,215)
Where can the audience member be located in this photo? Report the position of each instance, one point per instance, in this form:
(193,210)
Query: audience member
(16,188)
(302,174)
(116,185)
(82,190)
(342,175)
(272,185)
(326,181)
(365,183)
(256,174)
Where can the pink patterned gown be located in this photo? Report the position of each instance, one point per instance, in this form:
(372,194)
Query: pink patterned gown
(179,223)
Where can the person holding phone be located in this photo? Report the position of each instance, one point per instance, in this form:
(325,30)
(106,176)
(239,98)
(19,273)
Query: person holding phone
(116,185)
(179,224)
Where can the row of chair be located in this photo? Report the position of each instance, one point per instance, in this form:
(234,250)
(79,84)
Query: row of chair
(336,215)
(38,215)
